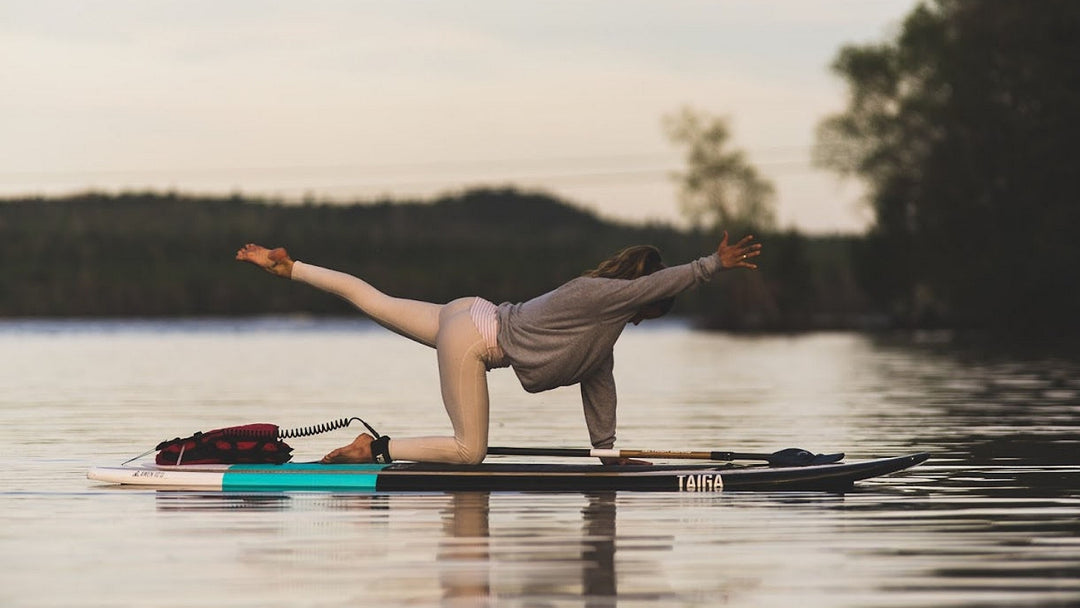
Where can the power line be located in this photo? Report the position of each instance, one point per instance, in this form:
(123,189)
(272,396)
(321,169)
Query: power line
(407,168)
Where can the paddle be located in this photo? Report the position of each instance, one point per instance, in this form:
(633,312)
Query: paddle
(791,457)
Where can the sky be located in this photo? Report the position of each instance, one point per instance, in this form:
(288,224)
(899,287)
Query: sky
(359,100)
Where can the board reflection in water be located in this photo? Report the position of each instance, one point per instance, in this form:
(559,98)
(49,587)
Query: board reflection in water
(533,552)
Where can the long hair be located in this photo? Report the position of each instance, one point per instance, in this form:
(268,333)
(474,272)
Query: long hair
(631,263)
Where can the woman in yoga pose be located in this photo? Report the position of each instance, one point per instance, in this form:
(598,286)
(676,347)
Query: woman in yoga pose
(561,338)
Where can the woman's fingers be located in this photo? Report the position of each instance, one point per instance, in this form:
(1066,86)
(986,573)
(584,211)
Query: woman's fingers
(739,254)
(744,250)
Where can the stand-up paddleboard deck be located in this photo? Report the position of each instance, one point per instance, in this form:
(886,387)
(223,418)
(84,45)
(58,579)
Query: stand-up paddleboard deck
(420,477)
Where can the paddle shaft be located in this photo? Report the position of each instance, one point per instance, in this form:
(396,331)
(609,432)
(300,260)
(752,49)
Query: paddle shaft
(612,453)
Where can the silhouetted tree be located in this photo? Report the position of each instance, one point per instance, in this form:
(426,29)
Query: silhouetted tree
(964,126)
(720,188)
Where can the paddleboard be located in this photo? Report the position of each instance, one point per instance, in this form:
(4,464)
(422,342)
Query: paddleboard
(425,477)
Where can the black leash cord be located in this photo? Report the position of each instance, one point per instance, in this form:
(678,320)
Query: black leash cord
(333,425)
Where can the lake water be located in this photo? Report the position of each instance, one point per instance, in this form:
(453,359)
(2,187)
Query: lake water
(992,520)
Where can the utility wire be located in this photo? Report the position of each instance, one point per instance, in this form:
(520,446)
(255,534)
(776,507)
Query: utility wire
(417,167)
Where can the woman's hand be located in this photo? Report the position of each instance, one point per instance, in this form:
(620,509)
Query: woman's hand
(739,254)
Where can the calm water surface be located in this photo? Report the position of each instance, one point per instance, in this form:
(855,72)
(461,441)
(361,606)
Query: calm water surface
(992,520)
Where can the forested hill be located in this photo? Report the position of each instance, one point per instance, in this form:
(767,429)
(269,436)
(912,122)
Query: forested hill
(155,254)
(158,254)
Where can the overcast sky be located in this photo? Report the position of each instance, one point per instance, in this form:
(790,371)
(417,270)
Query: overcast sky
(355,99)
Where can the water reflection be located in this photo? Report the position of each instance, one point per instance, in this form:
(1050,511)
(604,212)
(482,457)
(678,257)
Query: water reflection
(183,501)
(527,552)
(465,549)
(941,535)
(598,581)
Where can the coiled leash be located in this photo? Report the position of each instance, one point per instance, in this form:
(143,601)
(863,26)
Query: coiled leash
(259,443)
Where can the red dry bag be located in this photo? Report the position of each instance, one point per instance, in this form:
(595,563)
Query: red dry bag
(250,443)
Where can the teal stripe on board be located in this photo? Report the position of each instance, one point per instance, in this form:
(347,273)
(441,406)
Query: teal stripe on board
(290,467)
(301,477)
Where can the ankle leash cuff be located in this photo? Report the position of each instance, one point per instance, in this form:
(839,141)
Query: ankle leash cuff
(380,450)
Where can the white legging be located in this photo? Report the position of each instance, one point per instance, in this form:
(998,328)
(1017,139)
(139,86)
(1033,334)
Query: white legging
(460,348)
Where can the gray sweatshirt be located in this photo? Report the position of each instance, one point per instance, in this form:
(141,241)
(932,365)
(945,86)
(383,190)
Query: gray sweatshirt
(567,336)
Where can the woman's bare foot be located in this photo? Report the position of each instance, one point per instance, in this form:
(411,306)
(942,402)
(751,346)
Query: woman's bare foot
(275,261)
(359,451)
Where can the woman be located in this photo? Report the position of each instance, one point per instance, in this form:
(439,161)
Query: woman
(561,338)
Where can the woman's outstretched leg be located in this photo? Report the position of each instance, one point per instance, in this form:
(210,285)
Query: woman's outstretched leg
(410,318)
(450,329)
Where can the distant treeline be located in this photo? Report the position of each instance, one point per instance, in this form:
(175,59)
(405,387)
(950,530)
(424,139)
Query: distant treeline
(165,254)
